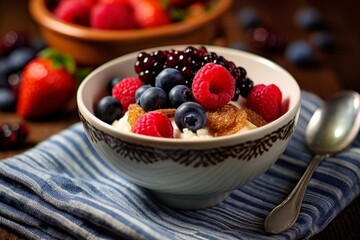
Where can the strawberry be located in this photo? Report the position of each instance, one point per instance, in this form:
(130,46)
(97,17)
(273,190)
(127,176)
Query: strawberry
(149,13)
(47,84)
(74,11)
(265,101)
(112,15)
(114,1)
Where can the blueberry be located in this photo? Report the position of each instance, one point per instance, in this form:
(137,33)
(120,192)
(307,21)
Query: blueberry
(180,94)
(38,44)
(153,98)
(168,78)
(3,80)
(308,18)
(140,91)
(322,41)
(190,115)
(300,53)
(247,17)
(112,83)
(19,57)
(7,100)
(4,72)
(108,109)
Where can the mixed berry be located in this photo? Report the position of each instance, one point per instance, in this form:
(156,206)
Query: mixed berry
(188,62)
(16,50)
(13,135)
(163,90)
(126,14)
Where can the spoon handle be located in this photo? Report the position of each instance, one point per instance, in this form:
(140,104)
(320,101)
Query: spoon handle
(285,214)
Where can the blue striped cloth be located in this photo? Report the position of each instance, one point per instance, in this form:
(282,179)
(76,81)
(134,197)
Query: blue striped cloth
(62,189)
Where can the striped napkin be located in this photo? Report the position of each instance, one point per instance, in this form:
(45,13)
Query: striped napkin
(62,189)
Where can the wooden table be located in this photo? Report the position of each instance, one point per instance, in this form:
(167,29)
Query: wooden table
(337,70)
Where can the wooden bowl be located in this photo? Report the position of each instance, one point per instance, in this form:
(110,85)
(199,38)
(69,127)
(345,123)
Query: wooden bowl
(92,47)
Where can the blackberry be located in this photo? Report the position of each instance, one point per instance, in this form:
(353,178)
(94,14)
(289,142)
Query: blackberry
(13,135)
(236,94)
(244,86)
(187,62)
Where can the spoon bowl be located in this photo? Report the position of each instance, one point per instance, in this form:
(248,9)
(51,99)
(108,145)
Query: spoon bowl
(333,126)
(331,129)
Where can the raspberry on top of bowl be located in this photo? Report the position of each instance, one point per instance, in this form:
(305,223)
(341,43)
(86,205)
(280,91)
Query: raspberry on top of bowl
(127,14)
(188,93)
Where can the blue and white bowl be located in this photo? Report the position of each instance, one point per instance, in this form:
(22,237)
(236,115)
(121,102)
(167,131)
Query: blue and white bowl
(191,174)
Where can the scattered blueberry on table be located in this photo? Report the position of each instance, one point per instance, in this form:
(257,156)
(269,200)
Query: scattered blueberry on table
(264,39)
(300,53)
(323,41)
(16,50)
(308,18)
(247,17)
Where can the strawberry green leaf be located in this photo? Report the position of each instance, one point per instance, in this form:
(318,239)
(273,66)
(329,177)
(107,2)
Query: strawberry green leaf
(69,63)
(58,59)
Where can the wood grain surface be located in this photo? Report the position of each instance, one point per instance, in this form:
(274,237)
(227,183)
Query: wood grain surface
(337,70)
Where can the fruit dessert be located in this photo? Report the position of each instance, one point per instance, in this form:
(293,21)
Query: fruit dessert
(126,14)
(190,93)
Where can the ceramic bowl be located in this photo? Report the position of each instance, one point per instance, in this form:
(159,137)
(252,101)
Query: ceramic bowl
(190,174)
(92,47)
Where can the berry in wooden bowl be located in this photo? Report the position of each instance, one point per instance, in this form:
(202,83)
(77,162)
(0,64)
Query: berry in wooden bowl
(94,46)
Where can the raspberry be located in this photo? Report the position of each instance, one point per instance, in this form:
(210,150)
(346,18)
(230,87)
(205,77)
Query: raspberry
(112,15)
(213,86)
(124,91)
(73,11)
(154,124)
(149,13)
(265,101)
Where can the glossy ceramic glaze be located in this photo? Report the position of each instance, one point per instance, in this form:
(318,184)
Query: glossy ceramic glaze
(191,174)
(94,47)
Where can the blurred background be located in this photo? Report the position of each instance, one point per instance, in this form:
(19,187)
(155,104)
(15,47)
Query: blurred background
(338,67)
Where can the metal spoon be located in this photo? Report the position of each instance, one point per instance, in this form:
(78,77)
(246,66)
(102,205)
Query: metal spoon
(331,129)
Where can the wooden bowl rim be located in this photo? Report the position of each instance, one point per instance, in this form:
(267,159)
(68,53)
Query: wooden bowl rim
(46,19)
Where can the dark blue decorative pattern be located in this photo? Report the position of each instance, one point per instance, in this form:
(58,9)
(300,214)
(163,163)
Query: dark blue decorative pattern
(190,157)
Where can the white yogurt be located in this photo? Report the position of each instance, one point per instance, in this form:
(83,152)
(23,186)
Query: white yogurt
(123,125)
